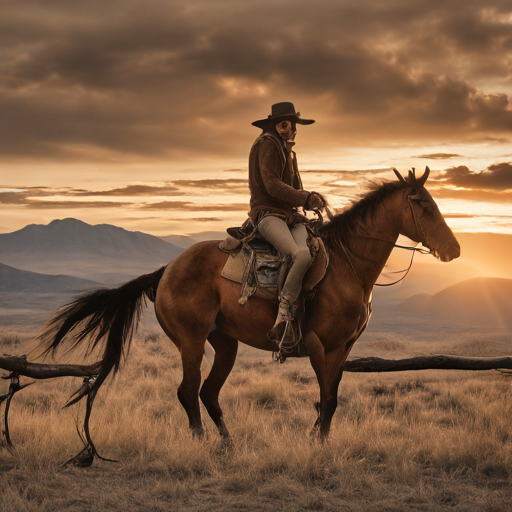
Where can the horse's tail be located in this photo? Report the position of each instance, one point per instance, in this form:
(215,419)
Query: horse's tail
(111,313)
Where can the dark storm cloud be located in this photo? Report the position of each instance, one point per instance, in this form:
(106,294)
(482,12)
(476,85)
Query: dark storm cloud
(495,177)
(98,81)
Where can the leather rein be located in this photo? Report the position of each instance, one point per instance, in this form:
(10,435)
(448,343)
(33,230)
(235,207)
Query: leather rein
(414,249)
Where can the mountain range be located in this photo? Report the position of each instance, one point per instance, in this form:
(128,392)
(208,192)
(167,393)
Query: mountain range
(69,255)
(13,280)
(103,253)
(186,240)
(478,300)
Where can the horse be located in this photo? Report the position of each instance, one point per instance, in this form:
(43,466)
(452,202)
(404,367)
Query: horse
(193,303)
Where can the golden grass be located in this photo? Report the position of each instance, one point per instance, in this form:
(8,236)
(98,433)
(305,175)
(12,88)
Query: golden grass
(428,440)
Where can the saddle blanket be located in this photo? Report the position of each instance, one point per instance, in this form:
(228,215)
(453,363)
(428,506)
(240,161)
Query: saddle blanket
(262,271)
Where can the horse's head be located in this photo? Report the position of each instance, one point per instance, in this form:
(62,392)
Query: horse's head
(422,221)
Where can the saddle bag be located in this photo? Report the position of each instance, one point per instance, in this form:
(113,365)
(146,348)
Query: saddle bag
(259,268)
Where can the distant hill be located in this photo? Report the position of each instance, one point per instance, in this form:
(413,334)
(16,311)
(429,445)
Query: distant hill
(482,299)
(13,280)
(103,252)
(415,303)
(186,240)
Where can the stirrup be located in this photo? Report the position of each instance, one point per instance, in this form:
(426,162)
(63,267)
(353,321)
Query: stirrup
(284,316)
(286,333)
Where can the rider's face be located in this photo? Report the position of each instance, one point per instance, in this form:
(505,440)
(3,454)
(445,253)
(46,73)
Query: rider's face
(287,129)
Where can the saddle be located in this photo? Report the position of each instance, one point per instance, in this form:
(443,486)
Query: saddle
(261,271)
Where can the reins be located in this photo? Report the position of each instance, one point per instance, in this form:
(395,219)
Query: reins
(414,249)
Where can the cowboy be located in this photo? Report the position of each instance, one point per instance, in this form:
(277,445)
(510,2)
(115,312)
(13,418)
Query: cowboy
(276,194)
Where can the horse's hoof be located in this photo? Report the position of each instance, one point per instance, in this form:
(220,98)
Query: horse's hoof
(198,433)
(227,443)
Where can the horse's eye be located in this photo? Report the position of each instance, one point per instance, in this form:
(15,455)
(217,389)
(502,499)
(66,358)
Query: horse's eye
(427,207)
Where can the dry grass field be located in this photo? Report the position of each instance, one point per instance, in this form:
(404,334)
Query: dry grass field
(432,440)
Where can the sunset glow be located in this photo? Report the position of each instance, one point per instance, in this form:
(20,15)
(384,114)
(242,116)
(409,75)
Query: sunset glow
(148,126)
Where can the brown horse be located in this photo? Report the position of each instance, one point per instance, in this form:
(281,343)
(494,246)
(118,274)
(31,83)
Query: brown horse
(194,303)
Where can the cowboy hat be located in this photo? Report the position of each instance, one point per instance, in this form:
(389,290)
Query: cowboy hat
(280,112)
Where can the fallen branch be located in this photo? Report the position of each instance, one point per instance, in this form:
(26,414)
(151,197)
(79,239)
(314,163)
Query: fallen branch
(20,365)
(437,362)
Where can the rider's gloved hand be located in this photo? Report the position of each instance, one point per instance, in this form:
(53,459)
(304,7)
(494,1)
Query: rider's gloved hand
(314,200)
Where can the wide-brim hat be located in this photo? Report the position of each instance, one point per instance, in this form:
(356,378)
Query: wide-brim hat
(280,112)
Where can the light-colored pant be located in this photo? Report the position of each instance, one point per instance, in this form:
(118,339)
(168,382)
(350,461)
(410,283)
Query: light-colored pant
(289,242)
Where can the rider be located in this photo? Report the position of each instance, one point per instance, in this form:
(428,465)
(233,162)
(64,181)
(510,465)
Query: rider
(276,194)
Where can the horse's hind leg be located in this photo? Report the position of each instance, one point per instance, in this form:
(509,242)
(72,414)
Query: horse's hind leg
(226,349)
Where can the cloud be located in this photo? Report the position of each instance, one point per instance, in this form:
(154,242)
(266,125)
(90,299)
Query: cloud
(172,188)
(22,195)
(131,190)
(214,183)
(196,207)
(42,196)
(51,205)
(438,156)
(348,174)
(204,219)
(179,80)
(12,198)
(495,177)
(473,195)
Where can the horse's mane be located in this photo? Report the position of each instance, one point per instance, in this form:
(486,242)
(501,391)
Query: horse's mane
(346,224)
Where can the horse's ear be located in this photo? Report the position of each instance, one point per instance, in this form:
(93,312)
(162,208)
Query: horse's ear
(421,181)
(411,178)
(398,175)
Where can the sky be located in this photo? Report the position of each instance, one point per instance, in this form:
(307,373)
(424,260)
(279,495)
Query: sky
(138,113)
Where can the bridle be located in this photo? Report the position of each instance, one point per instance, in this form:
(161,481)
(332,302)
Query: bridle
(414,249)
(418,225)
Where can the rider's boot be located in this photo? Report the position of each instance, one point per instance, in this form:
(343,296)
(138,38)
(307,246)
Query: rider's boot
(286,332)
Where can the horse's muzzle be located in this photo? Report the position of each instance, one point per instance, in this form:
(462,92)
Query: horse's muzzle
(449,250)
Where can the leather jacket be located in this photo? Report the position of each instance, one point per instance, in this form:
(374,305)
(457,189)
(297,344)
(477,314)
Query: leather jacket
(274,180)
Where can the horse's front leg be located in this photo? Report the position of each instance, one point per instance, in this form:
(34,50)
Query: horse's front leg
(328,367)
